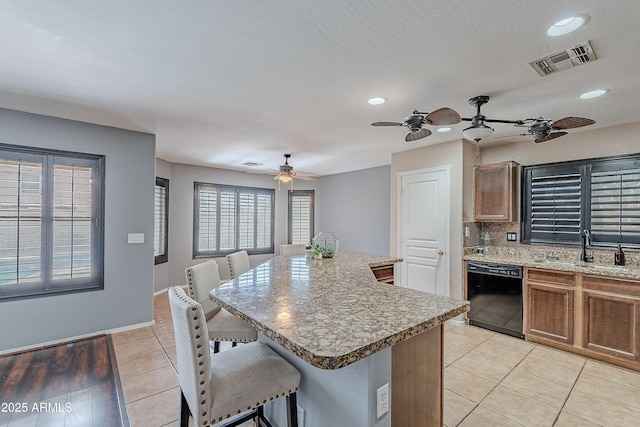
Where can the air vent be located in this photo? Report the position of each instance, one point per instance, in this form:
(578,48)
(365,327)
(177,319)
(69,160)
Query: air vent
(578,55)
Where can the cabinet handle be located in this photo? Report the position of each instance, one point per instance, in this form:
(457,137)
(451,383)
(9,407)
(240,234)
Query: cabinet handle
(440,252)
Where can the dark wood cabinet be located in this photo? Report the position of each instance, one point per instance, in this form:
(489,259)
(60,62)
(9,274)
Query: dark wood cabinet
(495,192)
(611,313)
(549,305)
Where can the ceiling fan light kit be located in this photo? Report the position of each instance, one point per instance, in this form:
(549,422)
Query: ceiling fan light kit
(286,174)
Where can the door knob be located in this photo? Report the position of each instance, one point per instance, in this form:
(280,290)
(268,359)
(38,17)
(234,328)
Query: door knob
(440,252)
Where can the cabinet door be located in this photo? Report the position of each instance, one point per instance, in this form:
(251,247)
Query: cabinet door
(494,192)
(551,312)
(611,310)
(550,305)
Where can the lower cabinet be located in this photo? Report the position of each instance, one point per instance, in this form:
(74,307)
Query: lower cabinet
(549,308)
(611,317)
(596,316)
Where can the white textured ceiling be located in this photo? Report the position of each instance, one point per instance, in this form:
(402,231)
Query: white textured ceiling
(221,83)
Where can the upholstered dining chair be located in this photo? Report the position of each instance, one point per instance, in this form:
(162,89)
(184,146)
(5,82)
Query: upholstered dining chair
(221,386)
(293,249)
(238,263)
(222,325)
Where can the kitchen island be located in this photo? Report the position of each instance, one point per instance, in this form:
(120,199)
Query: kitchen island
(348,335)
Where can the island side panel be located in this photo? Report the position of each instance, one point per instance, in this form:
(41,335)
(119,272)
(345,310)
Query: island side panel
(417,380)
(335,397)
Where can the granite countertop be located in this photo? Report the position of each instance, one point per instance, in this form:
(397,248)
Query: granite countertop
(332,312)
(568,265)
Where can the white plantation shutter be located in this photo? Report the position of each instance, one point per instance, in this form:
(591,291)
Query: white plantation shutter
(72,222)
(230,218)
(300,216)
(208,219)
(20,221)
(50,222)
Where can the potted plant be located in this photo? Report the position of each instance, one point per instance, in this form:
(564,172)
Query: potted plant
(318,252)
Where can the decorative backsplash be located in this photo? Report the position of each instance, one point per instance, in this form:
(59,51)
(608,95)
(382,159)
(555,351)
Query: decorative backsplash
(508,249)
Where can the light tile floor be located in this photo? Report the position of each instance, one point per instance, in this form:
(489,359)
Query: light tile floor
(490,380)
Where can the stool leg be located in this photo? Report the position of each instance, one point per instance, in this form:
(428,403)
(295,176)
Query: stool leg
(185,412)
(292,410)
(216,346)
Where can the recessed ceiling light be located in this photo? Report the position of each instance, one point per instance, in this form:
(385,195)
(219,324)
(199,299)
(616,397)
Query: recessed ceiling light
(377,100)
(593,93)
(444,129)
(252,164)
(567,25)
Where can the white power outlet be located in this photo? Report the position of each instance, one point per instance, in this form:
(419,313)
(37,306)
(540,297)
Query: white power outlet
(300,416)
(382,406)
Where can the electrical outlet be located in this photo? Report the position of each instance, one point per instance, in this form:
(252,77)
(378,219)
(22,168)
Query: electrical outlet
(466,232)
(511,237)
(382,406)
(300,416)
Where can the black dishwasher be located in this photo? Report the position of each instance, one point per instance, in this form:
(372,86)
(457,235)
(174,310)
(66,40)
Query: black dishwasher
(495,294)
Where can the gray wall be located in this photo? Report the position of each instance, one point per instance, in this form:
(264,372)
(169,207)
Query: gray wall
(356,207)
(353,205)
(181,217)
(128,283)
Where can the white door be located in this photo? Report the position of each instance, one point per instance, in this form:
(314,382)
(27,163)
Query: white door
(423,229)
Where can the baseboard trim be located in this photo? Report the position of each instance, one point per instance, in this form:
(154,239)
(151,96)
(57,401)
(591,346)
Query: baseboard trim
(75,338)
(457,322)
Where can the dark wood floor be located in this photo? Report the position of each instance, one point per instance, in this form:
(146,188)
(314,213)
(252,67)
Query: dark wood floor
(66,385)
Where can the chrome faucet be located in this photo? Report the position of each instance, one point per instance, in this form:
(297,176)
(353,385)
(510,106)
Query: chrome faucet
(586,240)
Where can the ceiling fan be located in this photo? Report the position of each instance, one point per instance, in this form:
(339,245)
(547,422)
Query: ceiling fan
(286,174)
(417,119)
(542,129)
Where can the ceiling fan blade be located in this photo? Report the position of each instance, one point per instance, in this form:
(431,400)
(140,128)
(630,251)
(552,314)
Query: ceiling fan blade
(305,174)
(572,122)
(443,116)
(414,136)
(386,124)
(551,136)
(303,177)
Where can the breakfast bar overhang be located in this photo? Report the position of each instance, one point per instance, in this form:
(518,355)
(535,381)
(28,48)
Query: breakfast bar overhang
(348,335)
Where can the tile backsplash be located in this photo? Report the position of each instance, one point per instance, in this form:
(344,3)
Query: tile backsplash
(499,230)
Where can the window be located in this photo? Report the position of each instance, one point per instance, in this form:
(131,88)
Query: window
(300,216)
(229,218)
(600,195)
(161,221)
(51,229)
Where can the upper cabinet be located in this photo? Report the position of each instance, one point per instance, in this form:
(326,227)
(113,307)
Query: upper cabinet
(496,192)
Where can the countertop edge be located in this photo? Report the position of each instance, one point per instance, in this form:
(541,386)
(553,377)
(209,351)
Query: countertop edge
(340,361)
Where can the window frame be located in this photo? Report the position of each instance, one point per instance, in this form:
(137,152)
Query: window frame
(217,252)
(291,195)
(586,168)
(49,159)
(164,255)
